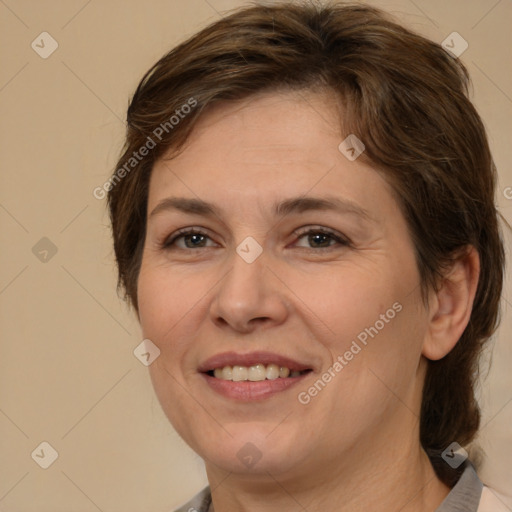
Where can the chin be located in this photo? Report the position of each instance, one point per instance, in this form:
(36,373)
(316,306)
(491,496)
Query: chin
(252,452)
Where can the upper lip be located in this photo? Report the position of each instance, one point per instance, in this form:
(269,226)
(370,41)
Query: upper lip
(249,359)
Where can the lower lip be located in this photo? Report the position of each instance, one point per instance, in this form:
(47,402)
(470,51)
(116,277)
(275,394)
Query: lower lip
(248,391)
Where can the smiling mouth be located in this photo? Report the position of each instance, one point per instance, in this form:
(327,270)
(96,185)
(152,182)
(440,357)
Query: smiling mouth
(253,376)
(255,373)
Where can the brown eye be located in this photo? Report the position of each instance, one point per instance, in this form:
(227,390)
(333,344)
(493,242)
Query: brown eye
(322,238)
(192,239)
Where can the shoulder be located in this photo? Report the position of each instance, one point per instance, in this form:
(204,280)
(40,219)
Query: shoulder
(492,501)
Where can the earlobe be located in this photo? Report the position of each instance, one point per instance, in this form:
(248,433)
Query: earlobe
(450,307)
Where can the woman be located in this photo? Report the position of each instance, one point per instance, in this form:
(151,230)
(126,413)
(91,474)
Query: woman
(304,222)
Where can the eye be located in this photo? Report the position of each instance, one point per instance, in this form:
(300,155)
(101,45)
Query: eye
(321,238)
(192,238)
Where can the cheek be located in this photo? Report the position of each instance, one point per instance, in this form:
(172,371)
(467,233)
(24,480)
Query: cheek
(167,305)
(164,304)
(166,297)
(155,303)
(373,318)
(350,300)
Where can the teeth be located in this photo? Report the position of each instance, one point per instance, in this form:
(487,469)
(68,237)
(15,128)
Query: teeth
(257,372)
(240,373)
(272,371)
(284,372)
(254,373)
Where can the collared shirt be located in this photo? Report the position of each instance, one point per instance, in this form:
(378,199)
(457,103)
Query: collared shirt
(468,495)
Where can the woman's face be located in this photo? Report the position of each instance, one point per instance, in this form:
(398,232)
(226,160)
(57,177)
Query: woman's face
(331,320)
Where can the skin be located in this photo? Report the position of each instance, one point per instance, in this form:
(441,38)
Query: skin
(301,300)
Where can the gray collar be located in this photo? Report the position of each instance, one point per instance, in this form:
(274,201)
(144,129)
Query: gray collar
(465,495)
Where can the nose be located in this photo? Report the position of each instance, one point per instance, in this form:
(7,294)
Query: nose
(250,296)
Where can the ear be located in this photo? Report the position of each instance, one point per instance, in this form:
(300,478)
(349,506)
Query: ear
(450,307)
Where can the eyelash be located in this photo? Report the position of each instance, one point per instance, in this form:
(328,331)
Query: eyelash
(341,240)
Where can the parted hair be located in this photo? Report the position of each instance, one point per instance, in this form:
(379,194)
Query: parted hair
(403,95)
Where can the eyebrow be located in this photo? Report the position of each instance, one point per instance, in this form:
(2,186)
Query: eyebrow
(281,209)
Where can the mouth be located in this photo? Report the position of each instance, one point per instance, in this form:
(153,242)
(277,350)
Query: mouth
(255,373)
(253,376)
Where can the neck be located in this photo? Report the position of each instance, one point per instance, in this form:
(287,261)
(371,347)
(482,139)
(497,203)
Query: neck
(402,481)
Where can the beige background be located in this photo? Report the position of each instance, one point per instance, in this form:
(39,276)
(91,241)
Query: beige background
(68,373)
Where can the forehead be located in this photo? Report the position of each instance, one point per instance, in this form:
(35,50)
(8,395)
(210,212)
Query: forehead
(266,147)
(288,124)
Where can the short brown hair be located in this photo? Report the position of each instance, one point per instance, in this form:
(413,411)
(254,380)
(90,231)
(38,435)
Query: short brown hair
(404,96)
